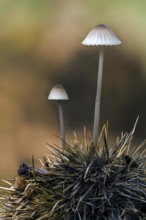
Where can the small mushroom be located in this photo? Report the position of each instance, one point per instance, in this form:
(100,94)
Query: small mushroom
(101,36)
(59,94)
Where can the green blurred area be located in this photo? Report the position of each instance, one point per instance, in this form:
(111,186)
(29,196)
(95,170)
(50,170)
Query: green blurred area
(40,45)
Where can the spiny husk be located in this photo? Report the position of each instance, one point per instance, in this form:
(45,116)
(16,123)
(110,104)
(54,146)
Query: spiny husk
(84,182)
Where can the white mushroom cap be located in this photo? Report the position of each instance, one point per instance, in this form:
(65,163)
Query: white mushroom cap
(58,93)
(101,35)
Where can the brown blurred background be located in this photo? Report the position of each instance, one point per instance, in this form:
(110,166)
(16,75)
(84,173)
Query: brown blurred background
(40,46)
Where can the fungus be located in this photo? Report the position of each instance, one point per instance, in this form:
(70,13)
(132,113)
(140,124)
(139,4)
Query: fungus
(59,94)
(100,36)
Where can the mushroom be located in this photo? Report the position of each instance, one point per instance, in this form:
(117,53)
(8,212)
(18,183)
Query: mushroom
(59,94)
(101,36)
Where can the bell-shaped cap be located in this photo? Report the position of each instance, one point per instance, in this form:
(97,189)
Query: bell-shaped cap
(101,35)
(58,93)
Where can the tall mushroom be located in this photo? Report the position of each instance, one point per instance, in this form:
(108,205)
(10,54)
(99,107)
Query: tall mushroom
(59,94)
(101,36)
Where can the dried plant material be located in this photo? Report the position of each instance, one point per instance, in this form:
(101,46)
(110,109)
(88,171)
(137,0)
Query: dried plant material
(82,183)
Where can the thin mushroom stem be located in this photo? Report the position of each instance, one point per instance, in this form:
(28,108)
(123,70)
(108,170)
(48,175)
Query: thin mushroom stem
(98,96)
(61,121)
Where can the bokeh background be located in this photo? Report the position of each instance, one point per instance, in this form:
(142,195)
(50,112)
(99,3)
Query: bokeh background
(40,46)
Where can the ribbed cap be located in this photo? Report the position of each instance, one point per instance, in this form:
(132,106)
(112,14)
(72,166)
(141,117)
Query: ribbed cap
(58,93)
(101,35)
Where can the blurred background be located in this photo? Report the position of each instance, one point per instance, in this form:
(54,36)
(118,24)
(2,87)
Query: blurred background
(40,46)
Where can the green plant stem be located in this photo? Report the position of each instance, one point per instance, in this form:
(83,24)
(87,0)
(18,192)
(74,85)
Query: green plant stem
(61,122)
(98,96)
